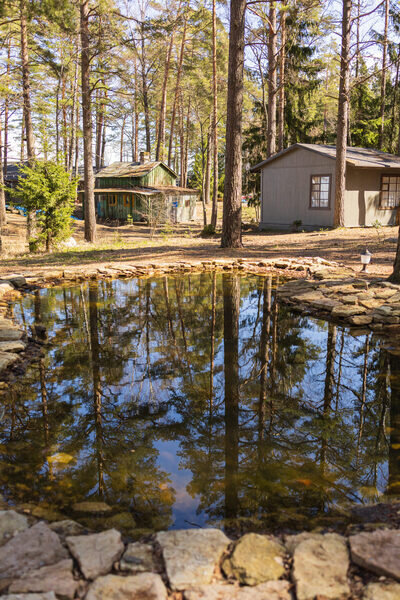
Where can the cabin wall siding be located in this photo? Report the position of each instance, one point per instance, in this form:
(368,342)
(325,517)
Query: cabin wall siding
(285,186)
(363,198)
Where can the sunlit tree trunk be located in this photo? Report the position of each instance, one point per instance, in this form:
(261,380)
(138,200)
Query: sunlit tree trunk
(177,93)
(383,75)
(272,79)
(212,345)
(214,212)
(89,212)
(3,214)
(281,103)
(26,100)
(232,209)
(163,105)
(343,116)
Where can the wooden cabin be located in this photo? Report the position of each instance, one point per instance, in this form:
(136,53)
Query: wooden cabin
(145,191)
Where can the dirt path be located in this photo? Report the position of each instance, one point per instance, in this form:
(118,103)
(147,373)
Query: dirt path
(136,244)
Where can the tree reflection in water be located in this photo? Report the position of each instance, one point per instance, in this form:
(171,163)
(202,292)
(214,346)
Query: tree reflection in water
(200,396)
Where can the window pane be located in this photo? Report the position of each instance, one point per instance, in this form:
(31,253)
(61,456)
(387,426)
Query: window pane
(324,203)
(325,180)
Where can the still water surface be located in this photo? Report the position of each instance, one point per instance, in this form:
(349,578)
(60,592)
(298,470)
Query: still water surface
(198,401)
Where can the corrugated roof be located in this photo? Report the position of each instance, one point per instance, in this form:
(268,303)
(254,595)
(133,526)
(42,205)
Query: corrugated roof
(131,169)
(355,157)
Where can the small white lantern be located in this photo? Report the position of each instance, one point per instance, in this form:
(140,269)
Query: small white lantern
(365,259)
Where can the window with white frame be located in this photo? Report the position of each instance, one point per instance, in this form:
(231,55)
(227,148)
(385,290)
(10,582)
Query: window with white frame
(390,191)
(320,193)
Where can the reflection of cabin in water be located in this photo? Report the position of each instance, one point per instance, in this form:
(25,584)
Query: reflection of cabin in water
(144,190)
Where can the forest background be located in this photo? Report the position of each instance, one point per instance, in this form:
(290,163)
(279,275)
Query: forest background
(114,77)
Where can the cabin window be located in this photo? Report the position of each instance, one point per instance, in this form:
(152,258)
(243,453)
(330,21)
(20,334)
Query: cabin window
(112,200)
(390,191)
(320,193)
(127,201)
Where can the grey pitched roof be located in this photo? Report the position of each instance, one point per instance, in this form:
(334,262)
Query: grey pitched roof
(355,157)
(131,169)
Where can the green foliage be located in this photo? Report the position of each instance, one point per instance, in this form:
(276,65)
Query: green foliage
(208,230)
(46,188)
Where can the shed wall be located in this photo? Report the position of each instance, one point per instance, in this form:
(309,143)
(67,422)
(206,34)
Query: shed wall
(363,197)
(285,185)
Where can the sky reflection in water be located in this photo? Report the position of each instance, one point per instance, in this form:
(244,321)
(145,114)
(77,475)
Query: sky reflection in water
(199,401)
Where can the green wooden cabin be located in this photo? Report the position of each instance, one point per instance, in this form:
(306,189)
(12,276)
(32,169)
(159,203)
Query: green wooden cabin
(145,191)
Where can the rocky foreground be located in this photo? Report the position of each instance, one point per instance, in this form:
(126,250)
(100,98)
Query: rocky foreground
(41,561)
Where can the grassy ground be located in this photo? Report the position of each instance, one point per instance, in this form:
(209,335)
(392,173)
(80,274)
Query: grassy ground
(137,244)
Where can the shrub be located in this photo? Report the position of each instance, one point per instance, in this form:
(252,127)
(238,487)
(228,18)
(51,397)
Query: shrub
(46,189)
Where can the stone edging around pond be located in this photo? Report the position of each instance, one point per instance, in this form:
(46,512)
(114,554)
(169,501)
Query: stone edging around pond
(42,561)
(373,304)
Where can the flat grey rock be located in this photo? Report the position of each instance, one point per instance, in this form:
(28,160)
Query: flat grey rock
(271,590)
(191,555)
(146,586)
(96,552)
(320,567)
(30,549)
(11,523)
(377,551)
(137,558)
(56,578)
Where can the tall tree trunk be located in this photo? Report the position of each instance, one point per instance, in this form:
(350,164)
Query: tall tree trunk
(343,116)
(272,78)
(163,104)
(6,110)
(383,75)
(232,211)
(207,177)
(3,215)
(90,215)
(281,104)
(214,212)
(26,95)
(136,119)
(74,123)
(121,143)
(177,92)
(99,128)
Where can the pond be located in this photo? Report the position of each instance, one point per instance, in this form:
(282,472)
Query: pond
(198,401)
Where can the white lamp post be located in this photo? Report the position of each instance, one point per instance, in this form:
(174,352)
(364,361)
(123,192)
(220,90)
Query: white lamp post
(365,259)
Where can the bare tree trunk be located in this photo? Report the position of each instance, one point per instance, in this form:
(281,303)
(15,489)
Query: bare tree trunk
(26,95)
(99,128)
(214,213)
(6,110)
(177,91)
(272,78)
(90,215)
(207,177)
(383,76)
(281,105)
(343,116)
(163,105)
(121,144)
(232,212)
(3,215)
(74,123)
(136,120)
